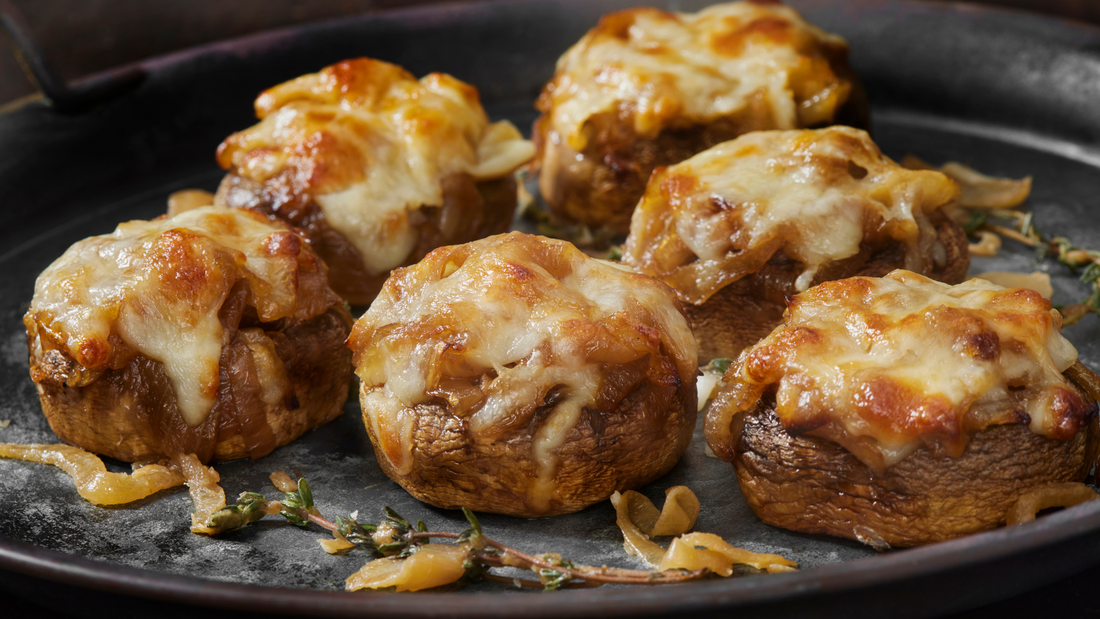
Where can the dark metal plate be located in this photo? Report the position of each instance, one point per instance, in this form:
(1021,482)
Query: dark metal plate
(1009,94)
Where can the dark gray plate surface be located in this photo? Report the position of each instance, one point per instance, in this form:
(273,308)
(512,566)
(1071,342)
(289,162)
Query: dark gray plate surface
(1008,94)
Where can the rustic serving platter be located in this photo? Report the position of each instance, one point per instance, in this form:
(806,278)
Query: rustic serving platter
(1007,93)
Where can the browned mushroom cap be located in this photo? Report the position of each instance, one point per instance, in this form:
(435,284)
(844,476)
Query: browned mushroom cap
(377,167)
(212,332)
(812,485)
(648,88)
(904,410)
(739,228)
(517,375)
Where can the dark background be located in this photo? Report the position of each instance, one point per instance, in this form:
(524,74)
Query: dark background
(83,37)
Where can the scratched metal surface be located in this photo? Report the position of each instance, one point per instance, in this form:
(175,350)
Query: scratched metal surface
(121,161)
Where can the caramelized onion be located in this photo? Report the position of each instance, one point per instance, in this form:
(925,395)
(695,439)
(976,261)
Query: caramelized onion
(283,482)
(1085,379)
(988,244)
(978,190)
(676,517)
(434,565)
(91,477)
(698,550)
(725,417)
(698,281)
(335,545)
(638,518)
(635,542)
(206,494)
(1035,500)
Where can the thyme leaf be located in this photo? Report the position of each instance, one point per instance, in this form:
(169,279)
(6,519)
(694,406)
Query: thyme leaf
(977,220)
(552,579)
(718,365)
(1091,273)
(1061,249)
(298,505)
(249,508)
(357,534)
(395,520)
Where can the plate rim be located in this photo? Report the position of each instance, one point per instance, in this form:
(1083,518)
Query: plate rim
(846,577)
(977,549)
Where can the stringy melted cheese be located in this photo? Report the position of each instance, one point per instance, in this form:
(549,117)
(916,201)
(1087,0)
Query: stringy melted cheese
(882,366)
(493,326)
(659,68)
(158,286)
(371,144)
(814,195)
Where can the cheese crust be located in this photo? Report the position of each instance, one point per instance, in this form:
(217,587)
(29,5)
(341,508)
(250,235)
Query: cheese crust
(199,307)
(364,150)
(681,82)
(752,221)
(517,375)
(886,366)
(813,196)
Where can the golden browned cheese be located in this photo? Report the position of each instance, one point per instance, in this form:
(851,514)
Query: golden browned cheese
(885,366)
(770,213)
(376,166)
(646,88)
(814,196)
(517,375)
(918,409)
(212,332)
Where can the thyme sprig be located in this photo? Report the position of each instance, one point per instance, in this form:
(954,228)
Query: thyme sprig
(553,579)
(395,536)
(1022,229)
(250,507)
(297,505)
(362,535)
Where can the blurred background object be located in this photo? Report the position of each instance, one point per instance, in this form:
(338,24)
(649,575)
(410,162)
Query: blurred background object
(83,37)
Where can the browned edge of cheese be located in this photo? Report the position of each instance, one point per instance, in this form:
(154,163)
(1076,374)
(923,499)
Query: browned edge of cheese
(517,375)
(886,366)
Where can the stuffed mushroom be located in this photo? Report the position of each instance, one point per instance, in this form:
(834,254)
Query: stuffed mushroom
(518,376)
(212,333)
(739,228)
(647,88)
(905,411)
(375,166)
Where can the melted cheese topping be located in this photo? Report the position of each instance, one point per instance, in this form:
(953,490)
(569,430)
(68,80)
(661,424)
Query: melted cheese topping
(156,288)
(371,145)
(494,326)
(814,195)
(659,68)
(882,366)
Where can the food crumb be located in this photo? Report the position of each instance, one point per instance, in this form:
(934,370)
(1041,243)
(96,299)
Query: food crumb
(5,423)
